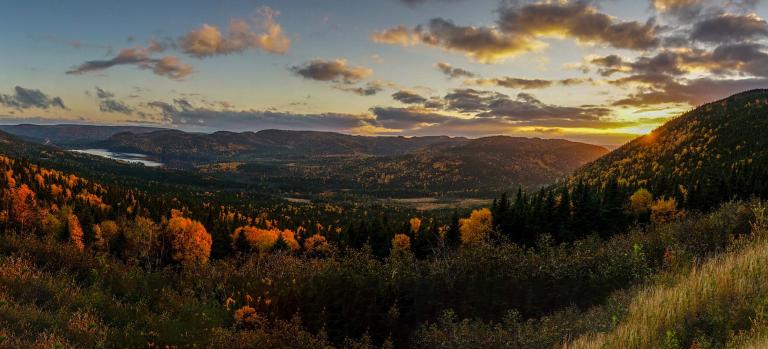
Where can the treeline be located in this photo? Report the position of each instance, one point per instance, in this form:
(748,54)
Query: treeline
(576,209)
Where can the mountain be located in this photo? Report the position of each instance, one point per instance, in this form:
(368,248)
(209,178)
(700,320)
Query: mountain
(201,147)
(68,134)
(317,161)
(720,148)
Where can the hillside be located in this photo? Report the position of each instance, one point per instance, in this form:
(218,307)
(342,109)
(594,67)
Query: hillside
(709,151)
(67,134)
(174,145)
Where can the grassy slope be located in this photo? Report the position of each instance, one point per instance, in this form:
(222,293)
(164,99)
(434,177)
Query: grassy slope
(715,305)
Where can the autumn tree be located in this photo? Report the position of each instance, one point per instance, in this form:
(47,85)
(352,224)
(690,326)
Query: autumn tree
(23,205)
(401,242)
(75,232)
(664,210)
(189,242)
(640,202)
(316,244)
(138,240)
(477,227)
(105,234)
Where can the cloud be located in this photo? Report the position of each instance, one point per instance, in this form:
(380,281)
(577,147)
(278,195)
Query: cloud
(408,97)
(168,66)
(24,98)
(524,107)
(452,72)
(369,89)
(515,83)
(520,27)
(483,44)
(114,106)
(577,20)
(102,94)
(682,9)
(108,104)
(334,70)
(729,28)
(183,113)
(407,118)
(208,40)
(692,92)
(399,35)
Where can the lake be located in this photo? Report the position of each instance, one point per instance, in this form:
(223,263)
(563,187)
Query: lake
(127,157)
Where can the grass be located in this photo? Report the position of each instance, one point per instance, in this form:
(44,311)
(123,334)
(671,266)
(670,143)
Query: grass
(715,305)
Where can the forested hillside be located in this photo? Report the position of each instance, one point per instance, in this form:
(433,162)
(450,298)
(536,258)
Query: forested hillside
(714,152)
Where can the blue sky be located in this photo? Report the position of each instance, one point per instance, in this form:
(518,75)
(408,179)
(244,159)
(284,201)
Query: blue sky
(319,64)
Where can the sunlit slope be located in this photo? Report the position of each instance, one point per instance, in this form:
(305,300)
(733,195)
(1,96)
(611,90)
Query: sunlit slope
(699,147)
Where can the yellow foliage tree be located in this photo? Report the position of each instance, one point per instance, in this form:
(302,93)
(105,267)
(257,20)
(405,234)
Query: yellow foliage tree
(189,242)
(477,227)
(640,201)
(104,233)
(401,242)
(664,210)
(23,205)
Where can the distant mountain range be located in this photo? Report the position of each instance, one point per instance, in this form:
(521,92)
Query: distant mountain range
(70,134)
(299,161)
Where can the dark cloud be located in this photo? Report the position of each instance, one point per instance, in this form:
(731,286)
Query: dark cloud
(103,94)
(183,113)
(577,20)
(470,100)
(691,92)
(115,106)
(408,97)
(369,89)
(524,107)
(24,98)
(485,44)
(452,72)
(516,83)
(728,28)
(407,118)
(168,66)
(335,70)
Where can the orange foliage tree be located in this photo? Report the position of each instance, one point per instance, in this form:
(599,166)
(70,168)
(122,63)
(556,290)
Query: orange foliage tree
(23,205)
(401,242)
(75,232)
(316,244)
(188,240)
(263,239)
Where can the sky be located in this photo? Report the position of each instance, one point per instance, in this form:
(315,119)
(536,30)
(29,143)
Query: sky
(601,72)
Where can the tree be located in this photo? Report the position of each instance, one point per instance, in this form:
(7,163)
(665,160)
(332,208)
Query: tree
(138,240)
(415,225)
(640,202)
(316,244)
(453,234)
(23,205)
(75,232)
(664,210)
(104,235)
(189,242)
(401,243)
(477,227)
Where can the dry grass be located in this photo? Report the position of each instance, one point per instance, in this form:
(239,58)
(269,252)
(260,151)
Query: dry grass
(724,294)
